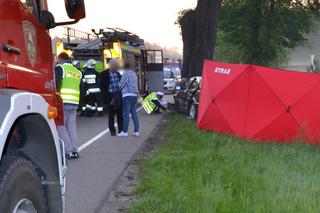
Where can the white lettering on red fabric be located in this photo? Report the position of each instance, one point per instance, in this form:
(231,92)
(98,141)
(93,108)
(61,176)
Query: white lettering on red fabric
(223,70)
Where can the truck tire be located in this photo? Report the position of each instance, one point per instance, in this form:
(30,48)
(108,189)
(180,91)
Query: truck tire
(20,187)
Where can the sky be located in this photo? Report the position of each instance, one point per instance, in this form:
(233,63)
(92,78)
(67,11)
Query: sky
(152,20)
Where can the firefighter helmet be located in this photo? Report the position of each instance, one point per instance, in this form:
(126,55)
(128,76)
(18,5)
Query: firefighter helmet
(75,63)
(91,63)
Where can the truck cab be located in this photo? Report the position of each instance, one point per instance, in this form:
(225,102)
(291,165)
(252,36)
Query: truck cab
(26,47)
(32,166)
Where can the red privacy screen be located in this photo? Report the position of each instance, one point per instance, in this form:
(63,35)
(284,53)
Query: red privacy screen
(260,103)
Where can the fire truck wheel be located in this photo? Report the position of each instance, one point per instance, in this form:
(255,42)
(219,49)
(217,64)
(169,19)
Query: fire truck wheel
(20,187)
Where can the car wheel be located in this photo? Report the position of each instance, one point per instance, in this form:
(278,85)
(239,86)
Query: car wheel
(193,111)
(20,187)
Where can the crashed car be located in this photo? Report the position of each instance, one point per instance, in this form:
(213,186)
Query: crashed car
(187,97)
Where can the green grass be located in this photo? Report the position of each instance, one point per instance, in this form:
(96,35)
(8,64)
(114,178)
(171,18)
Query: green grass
(202,172)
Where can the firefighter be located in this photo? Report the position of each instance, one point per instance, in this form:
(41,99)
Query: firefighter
(82,102)
(68,79)
(76,64)
(91,86)
(155,102)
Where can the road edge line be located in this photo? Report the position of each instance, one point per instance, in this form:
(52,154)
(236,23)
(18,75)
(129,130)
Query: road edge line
(97,137)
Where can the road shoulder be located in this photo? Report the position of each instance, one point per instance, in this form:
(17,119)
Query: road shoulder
(123,193)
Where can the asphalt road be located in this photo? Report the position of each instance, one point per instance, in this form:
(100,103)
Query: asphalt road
(102,160)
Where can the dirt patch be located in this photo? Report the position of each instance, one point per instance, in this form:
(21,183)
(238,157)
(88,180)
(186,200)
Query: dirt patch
(123,194)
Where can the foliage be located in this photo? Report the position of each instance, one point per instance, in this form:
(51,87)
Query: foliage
(232,53)
(226,51)
(262,31)
(203,172)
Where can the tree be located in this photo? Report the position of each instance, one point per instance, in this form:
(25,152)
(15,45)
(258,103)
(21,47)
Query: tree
(263,30)
(314,67)
(198,29)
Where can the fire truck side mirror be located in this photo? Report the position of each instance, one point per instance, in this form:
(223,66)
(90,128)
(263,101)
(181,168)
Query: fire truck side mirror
(75,9)
(47,19)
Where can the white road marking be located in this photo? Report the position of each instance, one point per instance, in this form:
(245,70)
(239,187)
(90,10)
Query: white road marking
(97,137)
(91,141)
(139,109)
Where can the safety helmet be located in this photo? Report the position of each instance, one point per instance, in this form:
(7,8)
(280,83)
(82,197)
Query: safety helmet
(161,94)
(75,63)
(91,63)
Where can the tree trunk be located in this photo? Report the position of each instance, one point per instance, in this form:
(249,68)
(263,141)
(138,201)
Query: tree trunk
(256,56)
(270,21)
(199,29)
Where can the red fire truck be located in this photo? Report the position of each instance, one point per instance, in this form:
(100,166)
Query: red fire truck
(32,167)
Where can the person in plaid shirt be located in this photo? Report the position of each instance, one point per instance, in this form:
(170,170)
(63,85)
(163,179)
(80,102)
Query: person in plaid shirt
(110,80)
(129,88)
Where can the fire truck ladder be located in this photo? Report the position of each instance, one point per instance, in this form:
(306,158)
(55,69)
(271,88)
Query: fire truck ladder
(78,35)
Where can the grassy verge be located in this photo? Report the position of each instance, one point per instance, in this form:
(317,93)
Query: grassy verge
(204,172)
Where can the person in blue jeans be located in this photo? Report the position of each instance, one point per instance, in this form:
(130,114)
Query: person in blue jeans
(129,88)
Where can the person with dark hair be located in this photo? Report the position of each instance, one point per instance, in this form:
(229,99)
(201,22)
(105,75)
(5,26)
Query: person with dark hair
(110,80)
(68,79)
(129,88)
(62,58)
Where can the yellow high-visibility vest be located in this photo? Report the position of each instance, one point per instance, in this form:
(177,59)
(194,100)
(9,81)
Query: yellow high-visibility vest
(147,103)
(70,85)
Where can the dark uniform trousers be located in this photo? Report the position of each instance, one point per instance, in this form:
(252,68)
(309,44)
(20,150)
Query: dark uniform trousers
(95,102)
(93,96)
(112,113)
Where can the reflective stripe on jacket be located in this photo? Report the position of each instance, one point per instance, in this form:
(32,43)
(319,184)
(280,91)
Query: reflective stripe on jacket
(70,85)
(91,81)
(147,103)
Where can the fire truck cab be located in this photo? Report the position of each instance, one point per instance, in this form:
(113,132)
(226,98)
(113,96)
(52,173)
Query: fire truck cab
(32,166)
